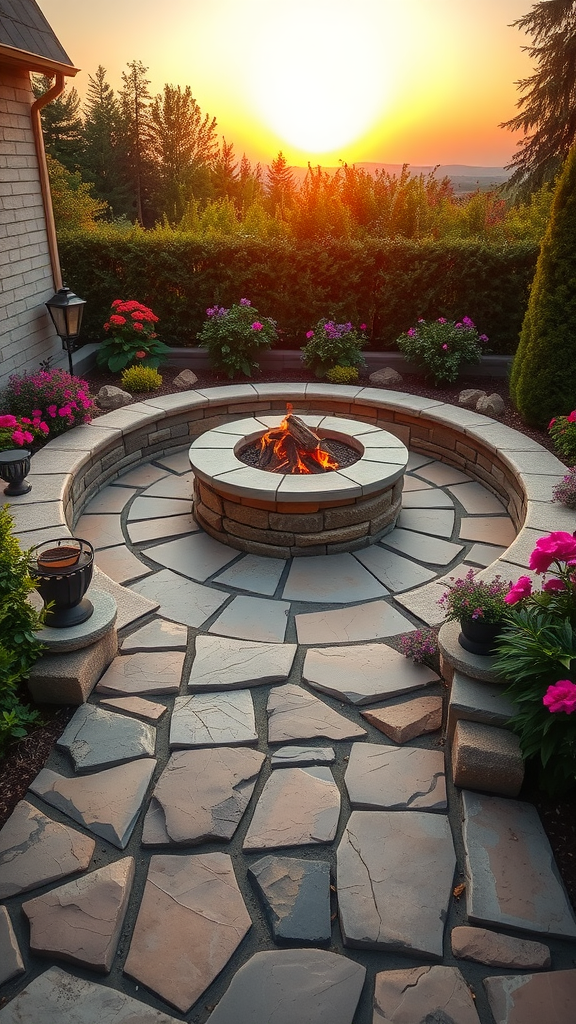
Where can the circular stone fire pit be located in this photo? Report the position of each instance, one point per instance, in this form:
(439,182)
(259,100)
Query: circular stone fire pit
(298,514)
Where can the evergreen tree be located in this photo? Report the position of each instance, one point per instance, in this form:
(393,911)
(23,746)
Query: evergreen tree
(61,123)
(547,110)
(280,186)
(250,187)
(75,208)
(225,179)
(102,151)
(543,378)
(184,146)
(135,125)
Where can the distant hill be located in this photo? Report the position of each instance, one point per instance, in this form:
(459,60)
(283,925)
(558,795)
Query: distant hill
(464,178)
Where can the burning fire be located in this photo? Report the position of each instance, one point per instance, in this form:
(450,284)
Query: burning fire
(294,448)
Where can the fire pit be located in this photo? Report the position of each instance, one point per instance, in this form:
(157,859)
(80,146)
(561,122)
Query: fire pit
(347,496)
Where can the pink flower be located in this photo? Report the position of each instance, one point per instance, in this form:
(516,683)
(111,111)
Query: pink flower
(37,413)
(363,327)
(557,545)
(18,437)
(522,588)
(8,421)
(551,424)
(561,696)
(44,428)
(140,354)
(257,326)
(411,332)
(52,410)
(309,334)
(65,411)
(554,584)
(572,417)
(245,302)
(441,320)
(445,347)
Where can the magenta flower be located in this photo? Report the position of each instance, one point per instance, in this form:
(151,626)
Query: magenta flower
(557,545)
(52,410)
(309,334)
(362,327)
(551,424)
(257,326)
(441,320)
(483,338)
(445,347)
(411,332)
(8,421)
(245,302)
(561,696)
(572,417)
(554,584)
(522,588)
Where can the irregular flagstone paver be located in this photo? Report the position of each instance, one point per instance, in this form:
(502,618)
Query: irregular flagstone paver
(292,757)
(201,795)
(181,599)
(197,556)
(294,714)
(109,499)
(11,962)
(172,487)
(96,738)
(395,872)
(363,674)
(360,622)
(423,994)
(159,635)
(136,706)
(438,522)
(159,529)
(297,807)
(82,920)
(513,881)
(411,483)
(341,581)
(149,673)
(57,997)
(491,529)
(379,777)
(395,571)
(440,474)
(142,476)
(107,803)
(476,499)
(191,920)
(484,554)
(253,618)
(102,531)
(289,985)
(157,508)
(121,565)
(213,720)
(296,897)
(222,663)
(403,722)
(423,602)
(532,998)
(428,498)
(488,947)
(178,463)
(254,572)
(35,850)
(425,549)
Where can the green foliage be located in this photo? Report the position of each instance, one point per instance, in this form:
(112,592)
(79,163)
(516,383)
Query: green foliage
(562,430)
(342,375)
(536,650)
(543,377)
(438,347)
(75,208)
(141,378)
(385,283)
(19,648)
(234,336)
(131,337)
(330,345)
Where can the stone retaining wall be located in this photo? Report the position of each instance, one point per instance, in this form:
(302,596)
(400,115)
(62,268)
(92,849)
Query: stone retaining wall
(72,468)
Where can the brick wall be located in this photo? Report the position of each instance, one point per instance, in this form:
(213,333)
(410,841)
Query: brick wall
(26,332)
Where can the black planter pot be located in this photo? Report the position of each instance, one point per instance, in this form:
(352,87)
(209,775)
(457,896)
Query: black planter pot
(14,467)
(479,637)
(63,572)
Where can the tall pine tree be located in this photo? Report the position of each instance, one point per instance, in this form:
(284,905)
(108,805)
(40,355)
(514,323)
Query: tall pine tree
(184,146)
(102,154)
(280,186)
(61,124)
(135,123)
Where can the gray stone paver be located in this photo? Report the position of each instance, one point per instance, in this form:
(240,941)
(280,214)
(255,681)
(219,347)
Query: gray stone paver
(494,950)
(194,799)
(424,548)
(97,738)
(296,897)
(197,556)
(213,720)
(253,618)
(364,673)
(147,673)
(11,962)
(297,807)
(406,721)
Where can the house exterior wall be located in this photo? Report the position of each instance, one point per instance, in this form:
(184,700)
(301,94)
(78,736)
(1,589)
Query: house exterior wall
(27,335)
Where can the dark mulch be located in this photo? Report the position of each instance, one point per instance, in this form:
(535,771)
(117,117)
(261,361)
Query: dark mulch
(26,758)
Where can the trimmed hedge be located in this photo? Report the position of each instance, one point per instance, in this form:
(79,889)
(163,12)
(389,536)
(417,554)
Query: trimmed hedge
(387,284)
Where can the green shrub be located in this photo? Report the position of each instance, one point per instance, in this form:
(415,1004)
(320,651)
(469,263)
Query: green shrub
(141,378)
(234,336)
(385,283)
(342,375)
(330,344)
(19,648)
(543,377)
(439,347)
(562,430)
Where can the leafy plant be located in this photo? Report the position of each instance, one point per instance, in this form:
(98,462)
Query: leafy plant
(17,432)
(141,378)
(54,397)
(438,347)
(330,345)
(131,336)
(565,491)
(562,430)
(234,336)
(342,374)
(472,598)
(19,647)
(421,645)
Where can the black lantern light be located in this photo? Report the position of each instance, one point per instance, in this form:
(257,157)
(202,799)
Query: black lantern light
(66,310)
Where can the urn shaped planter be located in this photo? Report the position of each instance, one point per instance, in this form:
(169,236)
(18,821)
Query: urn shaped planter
(479,637)
(63,572)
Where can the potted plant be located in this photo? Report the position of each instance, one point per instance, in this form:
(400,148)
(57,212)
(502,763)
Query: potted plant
(481,609)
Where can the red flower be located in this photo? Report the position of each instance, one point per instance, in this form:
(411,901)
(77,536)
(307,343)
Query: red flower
(141,354)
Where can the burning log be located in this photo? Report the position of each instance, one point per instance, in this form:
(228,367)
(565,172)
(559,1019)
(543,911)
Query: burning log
(294,448)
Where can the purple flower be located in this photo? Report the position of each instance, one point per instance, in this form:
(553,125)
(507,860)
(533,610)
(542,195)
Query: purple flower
(257,326)
(445,347)
(411,333)
(441,320)
(309,334)
(245,302)
(483,338)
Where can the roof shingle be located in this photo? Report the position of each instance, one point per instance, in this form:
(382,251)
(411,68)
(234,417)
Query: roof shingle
(23,26)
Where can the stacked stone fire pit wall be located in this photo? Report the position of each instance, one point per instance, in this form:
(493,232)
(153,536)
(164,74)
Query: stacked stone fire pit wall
(72,468)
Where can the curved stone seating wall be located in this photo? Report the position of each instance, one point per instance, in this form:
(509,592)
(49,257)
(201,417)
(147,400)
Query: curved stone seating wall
(72,468)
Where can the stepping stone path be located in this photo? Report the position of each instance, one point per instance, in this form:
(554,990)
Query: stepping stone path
(283,812)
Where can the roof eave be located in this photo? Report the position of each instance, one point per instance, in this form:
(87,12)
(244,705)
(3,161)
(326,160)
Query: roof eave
(34,62)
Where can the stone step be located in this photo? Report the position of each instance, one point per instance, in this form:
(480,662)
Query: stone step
(474,701)
(486,758)
(513,881)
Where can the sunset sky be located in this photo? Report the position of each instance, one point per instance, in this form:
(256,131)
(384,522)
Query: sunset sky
(392,81)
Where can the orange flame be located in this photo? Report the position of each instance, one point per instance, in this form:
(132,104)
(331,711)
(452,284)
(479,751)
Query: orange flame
(292,462)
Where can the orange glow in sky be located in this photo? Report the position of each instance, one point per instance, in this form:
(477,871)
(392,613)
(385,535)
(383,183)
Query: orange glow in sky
(391,81)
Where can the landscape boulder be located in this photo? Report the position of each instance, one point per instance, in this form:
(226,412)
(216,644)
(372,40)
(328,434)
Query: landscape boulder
(185,379)
(385,377)
(490,405)
(470,397)
(111,397)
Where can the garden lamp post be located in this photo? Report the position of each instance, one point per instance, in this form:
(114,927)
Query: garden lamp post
(66,310)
